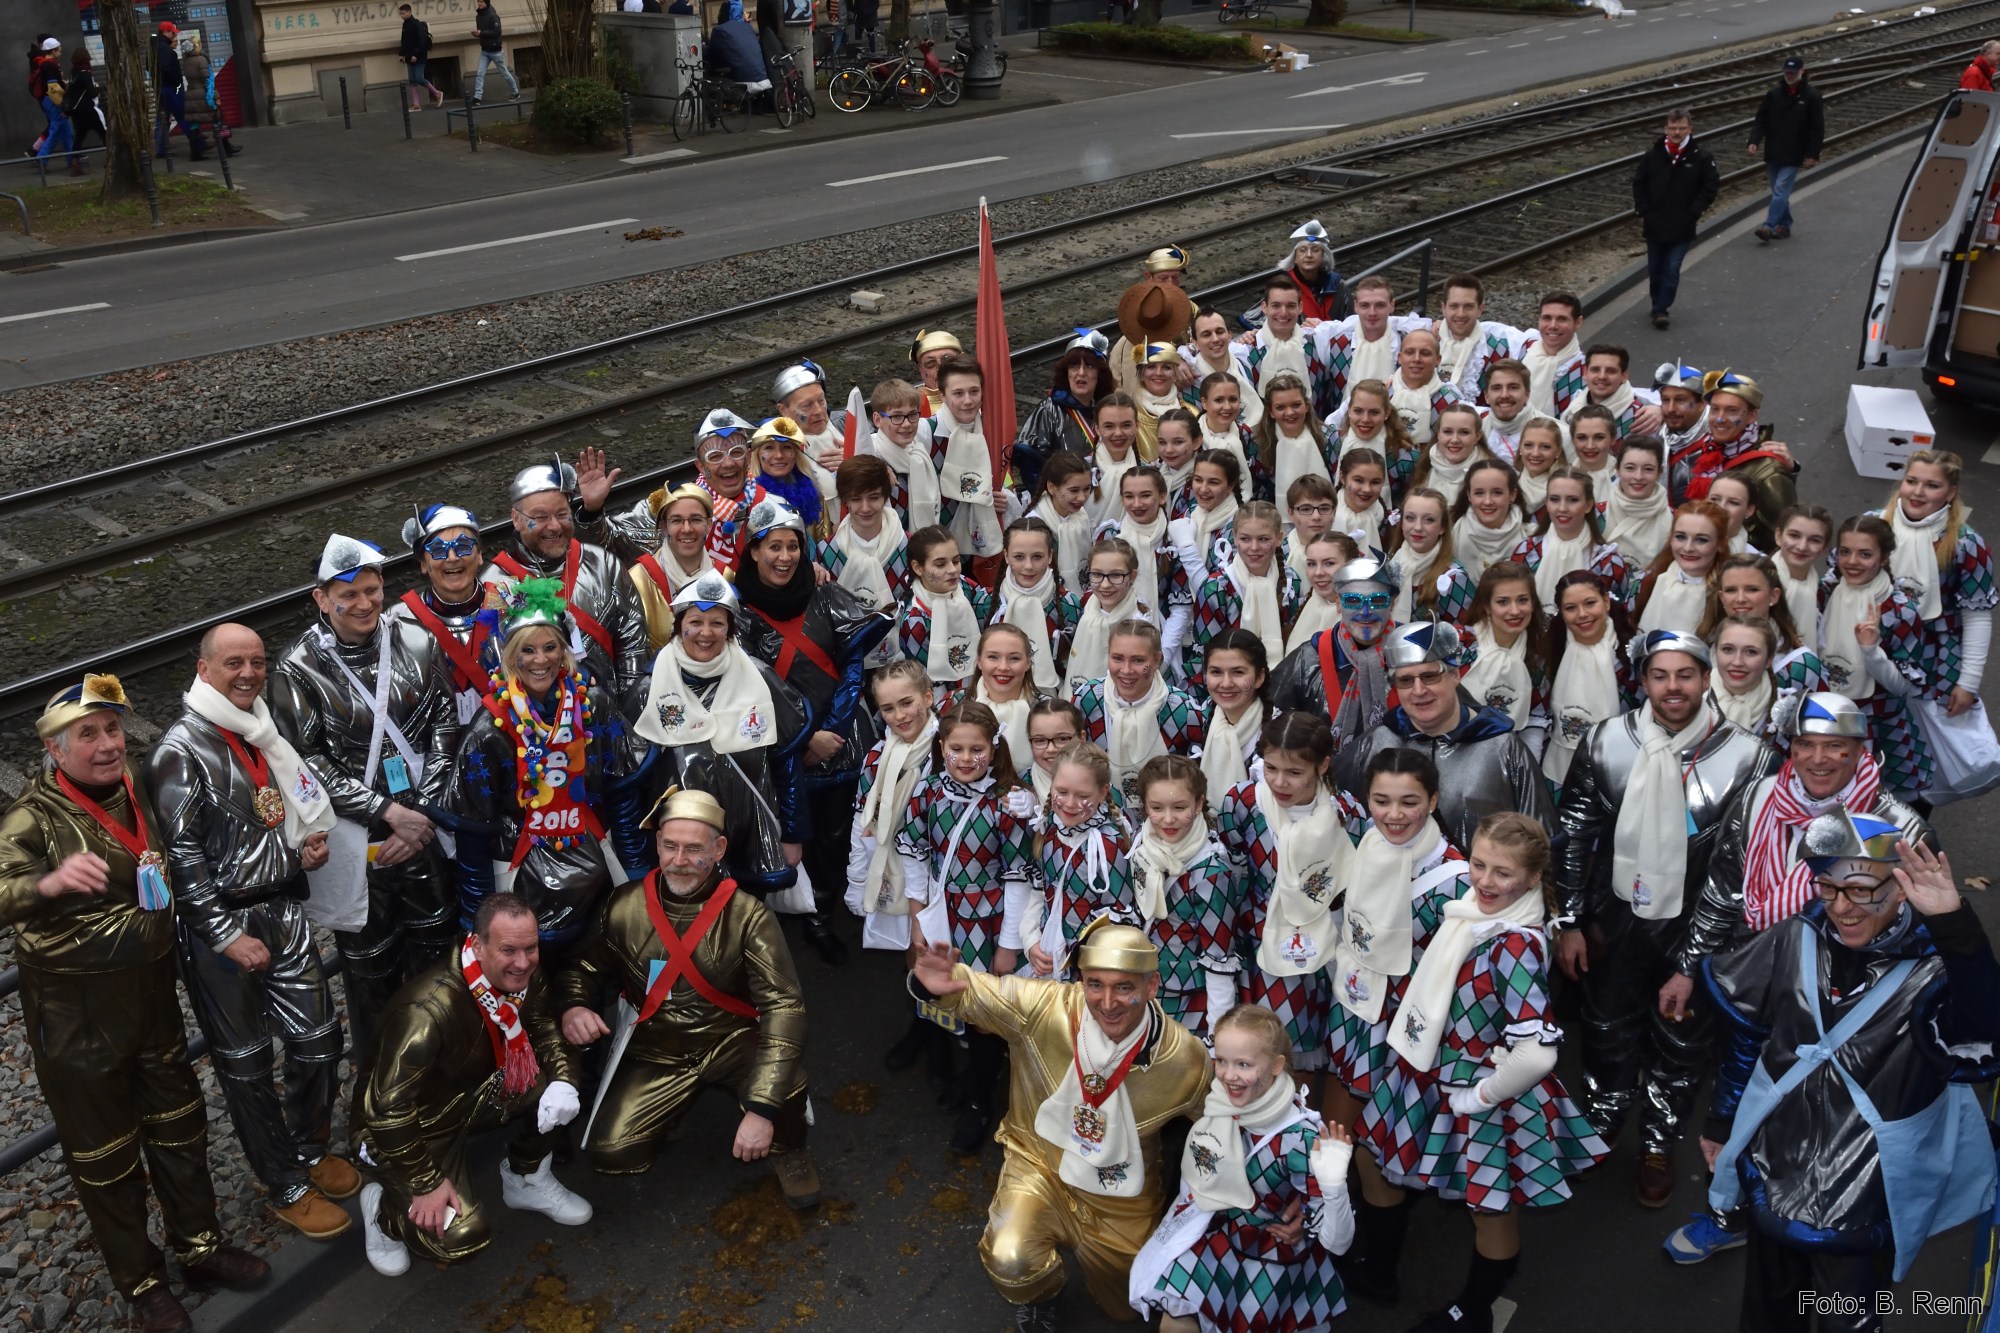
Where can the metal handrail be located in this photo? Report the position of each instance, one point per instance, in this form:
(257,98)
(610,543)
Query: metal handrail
(22,204)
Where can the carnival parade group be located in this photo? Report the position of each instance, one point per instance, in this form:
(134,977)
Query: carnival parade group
(1260,745)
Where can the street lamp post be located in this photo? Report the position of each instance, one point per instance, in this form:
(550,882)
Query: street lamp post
(982,75)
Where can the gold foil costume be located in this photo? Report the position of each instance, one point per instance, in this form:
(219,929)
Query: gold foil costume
(1035,1213)
(104,1023)
(689,1042)
(432,1083)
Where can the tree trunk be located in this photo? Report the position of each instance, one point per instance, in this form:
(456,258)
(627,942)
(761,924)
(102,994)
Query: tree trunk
(567,49)
(1146,13)
(1326,13)
(899,23)
(129,132)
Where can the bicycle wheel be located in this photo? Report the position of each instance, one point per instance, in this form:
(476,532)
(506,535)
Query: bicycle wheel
(736,103)
(802,95)
(850,90)
(950,86)
(916,89)
(781,102)
(687,114)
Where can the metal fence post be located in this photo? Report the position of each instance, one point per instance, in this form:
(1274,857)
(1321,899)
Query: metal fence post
(221,152)
(408,133)
(1424,280)
(471,126)
(42,169)
(346,119)
(625,114)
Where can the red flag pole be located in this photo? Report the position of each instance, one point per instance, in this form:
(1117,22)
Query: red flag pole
(990,331)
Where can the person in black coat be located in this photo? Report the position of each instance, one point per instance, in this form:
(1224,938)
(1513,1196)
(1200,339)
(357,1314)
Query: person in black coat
(1676,182)
(1789,131)
(170,84)
(414,50)
(81,102)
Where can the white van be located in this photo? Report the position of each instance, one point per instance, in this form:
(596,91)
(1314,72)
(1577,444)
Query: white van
(1936,299)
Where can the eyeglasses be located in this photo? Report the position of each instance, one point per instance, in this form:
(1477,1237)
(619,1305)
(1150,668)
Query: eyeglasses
(687,520)
(901,418)
(1431,677)
(1861,895)
(1097,577)
(438,548)
(1311,510)
(1366,601)
(1051,742)
(735,453)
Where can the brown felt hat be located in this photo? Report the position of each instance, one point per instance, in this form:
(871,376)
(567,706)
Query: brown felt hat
(1151,312)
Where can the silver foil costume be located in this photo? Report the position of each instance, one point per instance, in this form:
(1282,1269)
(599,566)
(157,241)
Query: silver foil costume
(1630,1052)
(412,915)
(234,875)
(606,597)
(1483,767)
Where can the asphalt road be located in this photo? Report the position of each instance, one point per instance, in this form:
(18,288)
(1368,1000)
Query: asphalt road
(130,310)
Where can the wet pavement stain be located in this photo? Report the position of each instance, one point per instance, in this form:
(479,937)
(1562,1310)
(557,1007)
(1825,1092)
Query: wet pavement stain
(858,1097)
(544,1306)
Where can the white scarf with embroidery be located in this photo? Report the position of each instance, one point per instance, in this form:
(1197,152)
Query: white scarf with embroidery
(1446,477)
(1229,442)
(1145,539)
(1263,603)
(865,572)
(1585,691)
(1297,456)
(1377,932)
(1203,524)
(1414,407)
(1560,556)
(1156,863)
(1535,489)
(967,477)
(739,716)
(1072,541)
(1132,730)
(1283,356)
(1619,403)
(1027,609)
(1313,851)
(1677,601)
(1109,1163)
(1478,546)
(1214,1163)
(1914,561)
(1013,717)
(1417,566)
(1090,648)
(1638,528)
(1454,351)
(1750,710)
(1425,1014)
(1374,360)
(1350,440)
(1801,599)
(920,476)
(1498,677)
(1650,845)
(1222,749)
(882,811)
(1543,367)
(1365,527)
(1848,607)
(954,632)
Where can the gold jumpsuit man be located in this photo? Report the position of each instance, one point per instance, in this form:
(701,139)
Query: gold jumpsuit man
(712,1000)
(83,882)
(1098,1071)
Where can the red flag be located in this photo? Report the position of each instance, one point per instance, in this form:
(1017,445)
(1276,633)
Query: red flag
(857,422)
(990,333)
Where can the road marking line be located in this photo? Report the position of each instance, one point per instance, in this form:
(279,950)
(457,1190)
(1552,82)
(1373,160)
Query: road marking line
(514,240)
(1480,52)
(1661,19)
(59,310)
(1517,46)
(645,159)
(1274,129)
(1394,81)
(916,171)
(1554,39)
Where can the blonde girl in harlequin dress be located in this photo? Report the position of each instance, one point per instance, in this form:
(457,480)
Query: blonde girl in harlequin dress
(1186,893)
(1079,863)
(1871,639)
(941,621)
(1033,599)
(1468,1105)
(1249,1245)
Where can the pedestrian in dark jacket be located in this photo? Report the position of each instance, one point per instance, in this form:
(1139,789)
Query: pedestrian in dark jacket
(492,51)
(1675,184)
(82,101)
(415,51)
(45,85)
(170,86)
(1789,131)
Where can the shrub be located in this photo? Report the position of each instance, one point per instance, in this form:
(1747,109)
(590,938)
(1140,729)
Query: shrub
(578,110)
(1167,42)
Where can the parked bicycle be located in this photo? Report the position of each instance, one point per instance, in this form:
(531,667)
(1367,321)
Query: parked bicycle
(911,78)
(1239,11)
(791,91)
(708,103)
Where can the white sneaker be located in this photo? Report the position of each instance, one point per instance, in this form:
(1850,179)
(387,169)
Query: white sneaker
(390,1258)
(541,1192)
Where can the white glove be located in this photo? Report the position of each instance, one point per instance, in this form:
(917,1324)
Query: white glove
(1468,1101)
(558,1106)
(1257,768)
(1021,803)
(1221,988)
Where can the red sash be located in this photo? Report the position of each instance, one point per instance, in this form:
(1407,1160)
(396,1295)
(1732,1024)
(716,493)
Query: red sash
(680,951)
(658,575)
(794,634)
(584,620)
(1096,1091)
(563,817)
(1329,677)
(137,843)
(464,657)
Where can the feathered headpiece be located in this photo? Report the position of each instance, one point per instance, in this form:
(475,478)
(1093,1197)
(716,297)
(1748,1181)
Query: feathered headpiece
(93,693)
(534,602)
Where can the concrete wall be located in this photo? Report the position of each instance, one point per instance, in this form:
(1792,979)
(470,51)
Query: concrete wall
(20,119)
(303,39)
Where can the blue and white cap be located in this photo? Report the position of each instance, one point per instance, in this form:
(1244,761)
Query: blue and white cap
(1422,641)
(706,593)
(1822,714)
(1090,340)
(1641,649)
(344,557)
(771,513)
(554,475)
(1315,233)
(795,377)
(430,520)
(1373,567)
(1842,846)
(1679,375)
(721,421)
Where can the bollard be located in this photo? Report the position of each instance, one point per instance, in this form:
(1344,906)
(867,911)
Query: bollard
(407,133)
(471,126)
(221,154)
(625,114)
(346,119)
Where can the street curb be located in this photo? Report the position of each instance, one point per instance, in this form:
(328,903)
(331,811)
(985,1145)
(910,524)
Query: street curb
(1078,53)
(57,254)
(1633,274)
(302,1271)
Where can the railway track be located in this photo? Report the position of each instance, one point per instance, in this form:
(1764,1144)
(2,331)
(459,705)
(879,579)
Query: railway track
(148,553)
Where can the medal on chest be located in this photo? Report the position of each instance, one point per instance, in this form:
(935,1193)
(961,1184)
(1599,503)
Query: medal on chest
(1088,1126)
(269,805)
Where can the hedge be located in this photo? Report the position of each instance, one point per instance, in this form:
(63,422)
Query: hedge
(1167,42)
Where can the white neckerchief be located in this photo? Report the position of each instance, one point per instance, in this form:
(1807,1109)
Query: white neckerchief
(1677,601)
(1027,609)
(1446,477)
(1425,1013)
(1914,561)
(1414,406)
(738,717)
(1155,405)
(913,464)
(1230,442)
(1478,546)
(1283,356)
(1561,555)
(1650,845)
(1109,1161)
(822,453)
(882,812)
(1638,528)
(1377,932)
(1132,730)
(1222,748)
(1739,542)
(967,477)
(1350,440)
(1618,403)
(1498,677)
(1750,711)
(1417,566)
(866,570)
(1177,478)
(1072,540)
(678,578)
(1543,367)
(1313,849)
(1251,409)
(1263,603)
(1372,360)
(1206,523)
(308,809)
(1839,646)
(954,632)
(1090,646)
(1109,504)
(1365,526)
(1156,863)
(1214,1162)
(1145,539)
(1534,490)
(1585,691)
(1801,599)
(1043,924)
(1454,350)
(1012,715)
(1315,615)
(1297,456)
(1043,782)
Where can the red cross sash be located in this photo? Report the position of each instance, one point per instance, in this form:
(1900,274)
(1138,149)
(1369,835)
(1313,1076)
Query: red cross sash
(464,656)
(680,949)
(571,564)
(793,632)
(658,575)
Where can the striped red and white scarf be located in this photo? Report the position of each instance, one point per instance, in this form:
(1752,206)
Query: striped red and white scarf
(511,1049)
(1776,883)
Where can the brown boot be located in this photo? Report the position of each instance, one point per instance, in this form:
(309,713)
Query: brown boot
(158,1312)
(315,1216)
(797,1178)
(335,1177)
(1656,1180)
(230,1266)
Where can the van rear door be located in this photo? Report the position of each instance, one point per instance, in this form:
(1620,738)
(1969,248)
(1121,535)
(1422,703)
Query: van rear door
(1931,224)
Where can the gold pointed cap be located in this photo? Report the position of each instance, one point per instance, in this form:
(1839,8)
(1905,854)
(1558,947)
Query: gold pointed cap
(677,803)
(78,701)
(1115,947)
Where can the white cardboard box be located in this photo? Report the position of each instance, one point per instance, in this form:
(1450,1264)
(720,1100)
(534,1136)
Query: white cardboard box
(1884,427)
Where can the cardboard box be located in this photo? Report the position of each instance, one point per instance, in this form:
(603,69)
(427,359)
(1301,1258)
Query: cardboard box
(1884,427)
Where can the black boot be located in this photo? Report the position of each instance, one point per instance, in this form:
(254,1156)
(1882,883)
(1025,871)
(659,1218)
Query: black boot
(819,934)
(973,1131)
(939,1061)
(1369,1269)
(1473,1311)
(913,1043)
(1035,1318)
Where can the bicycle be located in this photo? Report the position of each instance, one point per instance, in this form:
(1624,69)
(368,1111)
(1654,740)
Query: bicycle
(707,103)
(854,87)
(1236,11)
(791,93)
